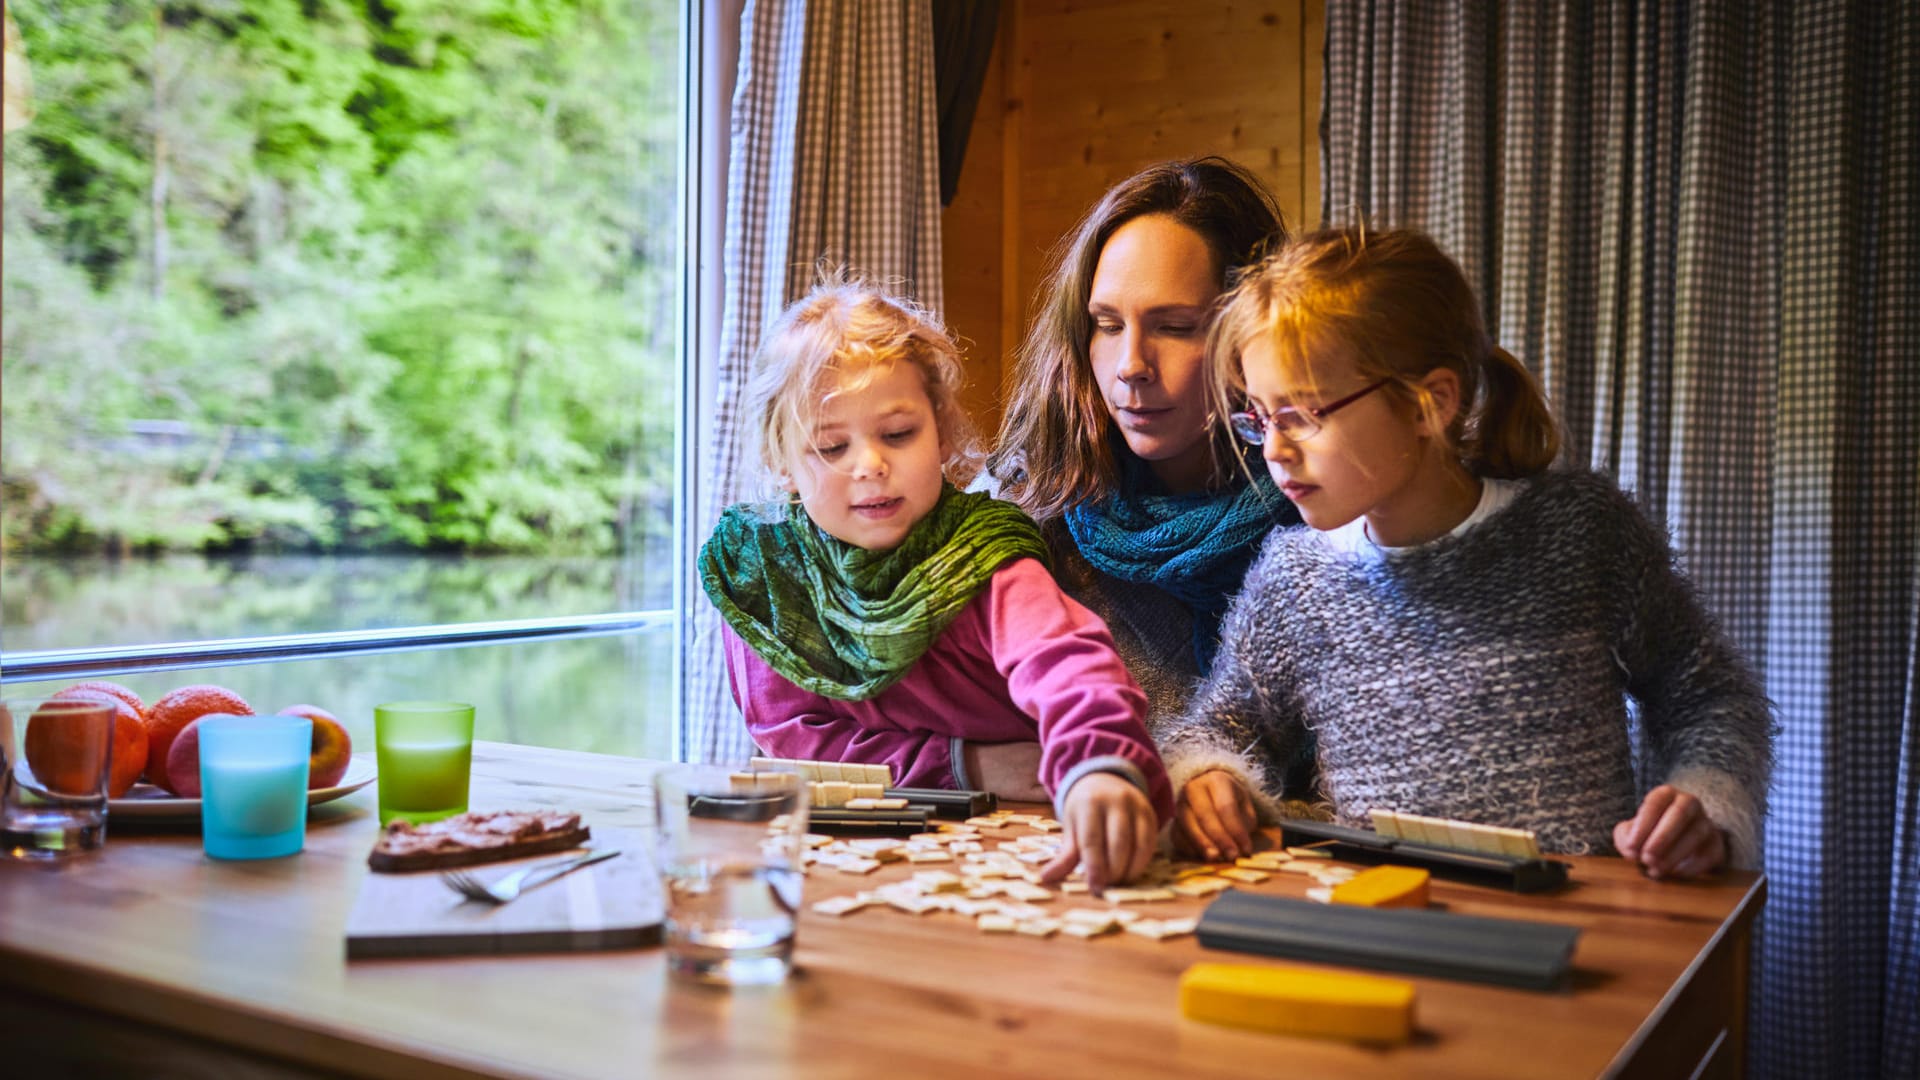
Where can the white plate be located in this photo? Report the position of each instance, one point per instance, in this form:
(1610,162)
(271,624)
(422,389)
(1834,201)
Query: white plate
(149,803)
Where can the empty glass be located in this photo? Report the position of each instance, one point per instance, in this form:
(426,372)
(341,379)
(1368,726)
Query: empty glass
(55,759)
(730,856)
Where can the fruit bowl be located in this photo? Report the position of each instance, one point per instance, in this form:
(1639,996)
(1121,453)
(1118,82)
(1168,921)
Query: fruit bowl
(149,803)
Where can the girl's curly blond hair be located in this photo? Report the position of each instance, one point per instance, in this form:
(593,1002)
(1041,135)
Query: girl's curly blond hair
(835,340)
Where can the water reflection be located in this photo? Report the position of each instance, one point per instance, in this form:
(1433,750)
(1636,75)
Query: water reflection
(610,694)
(82,602)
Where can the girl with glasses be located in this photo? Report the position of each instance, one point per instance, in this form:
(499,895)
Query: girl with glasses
(1460,629)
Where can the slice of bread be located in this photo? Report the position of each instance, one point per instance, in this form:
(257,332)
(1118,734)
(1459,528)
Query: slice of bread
(472,838)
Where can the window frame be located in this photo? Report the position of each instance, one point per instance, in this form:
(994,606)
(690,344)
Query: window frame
(709,46)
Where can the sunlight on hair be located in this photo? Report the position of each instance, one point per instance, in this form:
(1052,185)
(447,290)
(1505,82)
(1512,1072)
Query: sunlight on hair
(1398,307)
(837,339)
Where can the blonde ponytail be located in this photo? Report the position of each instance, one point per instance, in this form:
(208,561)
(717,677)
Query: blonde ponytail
(1511,432)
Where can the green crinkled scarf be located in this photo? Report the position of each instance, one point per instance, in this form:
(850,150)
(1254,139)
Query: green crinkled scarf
(845,622)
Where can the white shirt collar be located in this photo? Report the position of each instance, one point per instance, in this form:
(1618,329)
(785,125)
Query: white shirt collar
(1352,538)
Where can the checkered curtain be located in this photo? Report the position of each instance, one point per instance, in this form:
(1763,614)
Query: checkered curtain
(1697,223)
(834,157)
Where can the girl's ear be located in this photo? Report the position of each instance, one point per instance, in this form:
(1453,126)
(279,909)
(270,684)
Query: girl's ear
(1443,389)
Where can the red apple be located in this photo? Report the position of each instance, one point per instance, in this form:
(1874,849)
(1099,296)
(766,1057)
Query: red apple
(332,746)
(183,762)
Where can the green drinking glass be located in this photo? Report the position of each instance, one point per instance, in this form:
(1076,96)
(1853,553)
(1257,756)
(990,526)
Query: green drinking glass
(425,750)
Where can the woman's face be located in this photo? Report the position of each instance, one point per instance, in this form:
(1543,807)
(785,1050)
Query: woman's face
(1152,290)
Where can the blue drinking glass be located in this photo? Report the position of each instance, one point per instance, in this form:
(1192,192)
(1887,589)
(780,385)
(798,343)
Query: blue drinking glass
(253,785)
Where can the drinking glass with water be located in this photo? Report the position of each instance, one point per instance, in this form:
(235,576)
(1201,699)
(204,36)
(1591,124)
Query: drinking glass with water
(55,757)
(425,752)
(730,856)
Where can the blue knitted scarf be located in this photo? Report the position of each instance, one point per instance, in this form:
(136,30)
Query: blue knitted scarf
(1195,547)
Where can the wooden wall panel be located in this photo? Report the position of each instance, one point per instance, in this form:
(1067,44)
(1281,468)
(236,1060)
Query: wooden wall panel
(1083,94)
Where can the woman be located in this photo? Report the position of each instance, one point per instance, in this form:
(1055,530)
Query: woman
(1110,442)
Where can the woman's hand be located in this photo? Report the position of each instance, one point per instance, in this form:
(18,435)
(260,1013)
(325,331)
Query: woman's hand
(1215,817)
(1110,829)
(1010,770)
(1672,836)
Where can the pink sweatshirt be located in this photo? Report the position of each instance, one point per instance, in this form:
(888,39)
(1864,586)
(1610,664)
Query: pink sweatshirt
(1022,661)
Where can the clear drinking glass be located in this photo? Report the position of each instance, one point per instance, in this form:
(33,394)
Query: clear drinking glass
(55,761)
(730,856)
(425,752)
(253,785)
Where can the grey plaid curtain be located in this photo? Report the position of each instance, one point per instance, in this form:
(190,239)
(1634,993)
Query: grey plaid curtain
(834,156)
(1697,223)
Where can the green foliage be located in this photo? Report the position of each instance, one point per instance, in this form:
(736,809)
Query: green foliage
(316,274)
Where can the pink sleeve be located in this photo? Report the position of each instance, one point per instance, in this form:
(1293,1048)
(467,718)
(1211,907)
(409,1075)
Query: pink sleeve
(790,722)
(1062,670)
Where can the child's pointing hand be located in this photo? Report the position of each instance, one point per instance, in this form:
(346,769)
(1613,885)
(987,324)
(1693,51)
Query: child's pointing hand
(1110,828)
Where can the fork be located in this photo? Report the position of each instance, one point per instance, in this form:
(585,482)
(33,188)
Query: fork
(499,892)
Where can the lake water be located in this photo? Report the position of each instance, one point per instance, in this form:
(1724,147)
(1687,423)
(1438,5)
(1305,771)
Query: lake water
(606,694)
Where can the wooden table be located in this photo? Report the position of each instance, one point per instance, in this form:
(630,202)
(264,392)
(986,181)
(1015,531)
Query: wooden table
(148,957)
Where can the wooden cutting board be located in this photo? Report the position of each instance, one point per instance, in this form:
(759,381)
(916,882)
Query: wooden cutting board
(616,904)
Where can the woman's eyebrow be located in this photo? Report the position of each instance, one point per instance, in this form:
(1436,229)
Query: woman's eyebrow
(1095,307)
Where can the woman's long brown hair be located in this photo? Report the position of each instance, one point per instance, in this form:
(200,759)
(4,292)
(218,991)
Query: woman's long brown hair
(1053,452)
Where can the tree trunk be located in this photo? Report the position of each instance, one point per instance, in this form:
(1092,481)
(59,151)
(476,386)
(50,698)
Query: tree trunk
(219,457)
(157,192)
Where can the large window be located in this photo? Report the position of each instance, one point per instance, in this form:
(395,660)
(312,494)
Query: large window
(325,316)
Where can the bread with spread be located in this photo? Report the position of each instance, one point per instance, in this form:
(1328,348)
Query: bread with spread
(473,838)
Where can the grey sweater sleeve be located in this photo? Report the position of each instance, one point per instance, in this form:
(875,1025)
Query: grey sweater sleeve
(1706,724)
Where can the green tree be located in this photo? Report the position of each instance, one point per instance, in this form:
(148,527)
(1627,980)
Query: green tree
(399,272)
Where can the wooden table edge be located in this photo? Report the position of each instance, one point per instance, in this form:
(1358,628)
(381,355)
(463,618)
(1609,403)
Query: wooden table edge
(1739,920)
(230,1023)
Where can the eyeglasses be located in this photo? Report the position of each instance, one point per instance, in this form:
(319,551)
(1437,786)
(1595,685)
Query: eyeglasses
(1293,423)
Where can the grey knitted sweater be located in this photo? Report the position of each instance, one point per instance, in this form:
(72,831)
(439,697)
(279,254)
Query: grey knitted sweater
(1486,676)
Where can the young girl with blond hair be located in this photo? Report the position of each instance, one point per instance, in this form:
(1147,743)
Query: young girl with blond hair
(1460,629)
(877,614)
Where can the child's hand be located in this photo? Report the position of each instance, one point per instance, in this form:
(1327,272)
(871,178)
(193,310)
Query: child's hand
(1672,836)
(1010,770)
(1109,827)
(1216,817)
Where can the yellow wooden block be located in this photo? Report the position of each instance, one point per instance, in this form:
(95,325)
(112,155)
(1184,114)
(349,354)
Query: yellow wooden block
(1296,1001)
(1384,886)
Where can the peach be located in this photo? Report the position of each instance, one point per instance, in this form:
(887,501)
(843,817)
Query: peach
(183,761)
(129,735)
(332,749)
(172,713)
(332,746)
